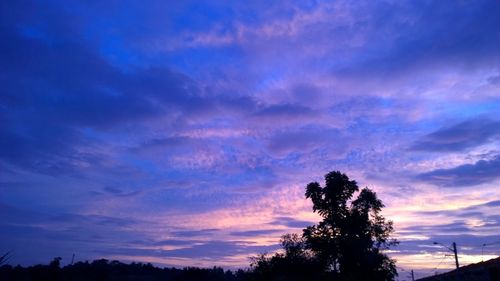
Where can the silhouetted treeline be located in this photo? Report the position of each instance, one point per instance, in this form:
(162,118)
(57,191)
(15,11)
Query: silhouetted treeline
(278,267)
(104,270)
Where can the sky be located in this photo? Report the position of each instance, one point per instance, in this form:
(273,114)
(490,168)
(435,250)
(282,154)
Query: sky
(184,132)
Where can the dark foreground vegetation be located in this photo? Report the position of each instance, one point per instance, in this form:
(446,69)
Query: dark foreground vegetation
(104,270)
(346,245)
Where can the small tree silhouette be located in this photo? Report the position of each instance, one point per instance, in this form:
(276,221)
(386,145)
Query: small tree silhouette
(297,263)
(56,262)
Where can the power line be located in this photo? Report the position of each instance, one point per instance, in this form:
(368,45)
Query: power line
(5,258)
(445,256)
(440,262)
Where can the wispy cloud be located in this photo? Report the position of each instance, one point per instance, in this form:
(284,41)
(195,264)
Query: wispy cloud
(483,171)
(458,137)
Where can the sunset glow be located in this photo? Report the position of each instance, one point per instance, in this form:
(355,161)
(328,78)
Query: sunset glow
(184,132)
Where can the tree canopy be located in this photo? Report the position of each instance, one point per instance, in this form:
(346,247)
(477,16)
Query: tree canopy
(347,244)
(353,234)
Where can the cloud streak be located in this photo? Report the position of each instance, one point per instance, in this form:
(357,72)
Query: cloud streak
(459,137)
(483,171)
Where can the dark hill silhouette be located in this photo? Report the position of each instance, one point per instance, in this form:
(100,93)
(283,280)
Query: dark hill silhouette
(488,271)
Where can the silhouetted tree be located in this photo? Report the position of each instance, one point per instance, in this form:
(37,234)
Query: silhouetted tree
(353,234)
(56,262)
(296,263)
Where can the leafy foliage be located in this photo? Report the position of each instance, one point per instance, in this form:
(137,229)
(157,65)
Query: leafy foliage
(347,244)
(353,234)
(296,263)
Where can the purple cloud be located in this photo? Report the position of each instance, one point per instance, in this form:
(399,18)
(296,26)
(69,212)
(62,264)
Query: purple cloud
(483,171)
(460,136)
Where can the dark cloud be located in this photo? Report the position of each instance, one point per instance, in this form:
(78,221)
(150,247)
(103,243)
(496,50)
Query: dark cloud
(495,80)
(195,233)
(306,139)
(212,250)
(21,216)
(93,220)
(486,213)
(57,91)
(167,242)
(121,193)
(284,110)
(166,144)
(62,234)
(254,233)
(482,171)
(291,222)
(219,249)
(495,203)
(173,242)
(457,227)
(460,136)
(465,242)
(413,44)
(11,214)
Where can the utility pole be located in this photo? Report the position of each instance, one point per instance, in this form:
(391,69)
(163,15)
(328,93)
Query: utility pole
(456,255)
(454,250)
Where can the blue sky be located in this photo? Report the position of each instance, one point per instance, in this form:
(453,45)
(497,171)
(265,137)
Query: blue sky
(184,133)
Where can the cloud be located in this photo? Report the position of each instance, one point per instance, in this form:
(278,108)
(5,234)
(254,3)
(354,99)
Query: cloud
(482,171)
(284,110)
(171,242)
(306,140)
(212,250)
(195,233)
(121,193)
(374,39)
(460,136)
(64,100)
(70,88)
(291,222)
(218,249)
(495,80)
(412,45)
(482,213)
(465,242)
(255,233)
(457,228)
